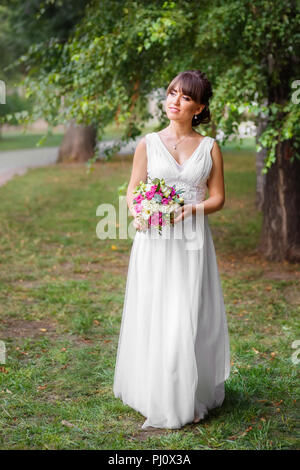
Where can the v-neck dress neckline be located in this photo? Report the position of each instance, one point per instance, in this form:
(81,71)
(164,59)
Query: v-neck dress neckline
(172,157)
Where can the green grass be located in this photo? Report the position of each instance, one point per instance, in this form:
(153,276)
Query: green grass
(61,297)
(236,145)
(20,140)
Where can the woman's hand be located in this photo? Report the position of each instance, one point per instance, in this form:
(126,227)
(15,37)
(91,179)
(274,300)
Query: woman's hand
(138,226)
(183,212)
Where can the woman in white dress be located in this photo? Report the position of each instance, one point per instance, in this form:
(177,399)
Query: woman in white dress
(173,353)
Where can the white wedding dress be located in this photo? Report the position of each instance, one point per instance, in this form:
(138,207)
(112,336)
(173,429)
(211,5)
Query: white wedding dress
(173,352)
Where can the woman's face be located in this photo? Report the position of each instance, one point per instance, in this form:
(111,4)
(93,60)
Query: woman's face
(180,107)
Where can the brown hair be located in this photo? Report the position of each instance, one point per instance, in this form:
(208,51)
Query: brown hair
(195,84)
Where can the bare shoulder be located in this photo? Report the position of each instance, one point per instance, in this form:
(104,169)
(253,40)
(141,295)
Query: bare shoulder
(140,153)
(216,152)
(217,170)
(142,143)
(216,146)
(139,164)
(141,148)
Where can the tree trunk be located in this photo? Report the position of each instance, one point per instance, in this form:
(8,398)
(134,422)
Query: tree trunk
(260,156)
(280,237)
(78,145)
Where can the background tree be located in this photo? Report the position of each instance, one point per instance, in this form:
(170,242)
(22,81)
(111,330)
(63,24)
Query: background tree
(25,26)
(122,50)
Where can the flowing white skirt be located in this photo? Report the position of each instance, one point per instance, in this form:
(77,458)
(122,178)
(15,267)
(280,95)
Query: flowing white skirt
(173,352)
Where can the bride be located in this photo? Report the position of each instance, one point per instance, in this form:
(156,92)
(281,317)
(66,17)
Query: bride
(173,354)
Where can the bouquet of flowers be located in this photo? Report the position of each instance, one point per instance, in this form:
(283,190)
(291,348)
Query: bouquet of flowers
(155,203)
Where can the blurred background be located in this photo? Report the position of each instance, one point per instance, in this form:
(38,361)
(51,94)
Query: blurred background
(80,83)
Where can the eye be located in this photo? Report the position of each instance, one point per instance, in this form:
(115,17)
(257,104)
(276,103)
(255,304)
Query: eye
(186,98)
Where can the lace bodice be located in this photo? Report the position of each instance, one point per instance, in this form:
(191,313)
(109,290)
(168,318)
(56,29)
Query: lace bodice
(191,176)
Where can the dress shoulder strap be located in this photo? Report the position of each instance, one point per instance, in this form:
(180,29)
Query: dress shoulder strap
(208,158)
(149,137)
(210,142)
(150,142)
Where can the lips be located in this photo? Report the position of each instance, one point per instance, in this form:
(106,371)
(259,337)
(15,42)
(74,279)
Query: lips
(173,108)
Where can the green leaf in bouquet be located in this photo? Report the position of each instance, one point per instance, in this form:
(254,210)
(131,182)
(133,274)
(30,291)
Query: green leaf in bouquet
(155,181)
(123,189)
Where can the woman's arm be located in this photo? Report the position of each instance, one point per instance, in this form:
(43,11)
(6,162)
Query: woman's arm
(215,184)
(138,172)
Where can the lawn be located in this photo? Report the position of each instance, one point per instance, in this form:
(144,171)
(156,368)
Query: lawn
(61,296)
(20,140)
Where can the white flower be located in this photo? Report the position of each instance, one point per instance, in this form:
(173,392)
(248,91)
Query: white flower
(146,214)
(145,203)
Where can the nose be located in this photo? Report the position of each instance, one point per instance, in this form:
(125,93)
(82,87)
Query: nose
(175,101)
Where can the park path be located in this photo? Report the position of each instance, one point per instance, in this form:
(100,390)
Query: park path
(17,162)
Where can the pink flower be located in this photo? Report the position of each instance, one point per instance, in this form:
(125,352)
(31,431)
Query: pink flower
(154,219)
(162,222)
(157,219)
(139,198)
(150,194)
(138,208)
